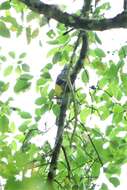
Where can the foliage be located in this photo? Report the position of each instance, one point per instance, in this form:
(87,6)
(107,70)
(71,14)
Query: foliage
(93,147)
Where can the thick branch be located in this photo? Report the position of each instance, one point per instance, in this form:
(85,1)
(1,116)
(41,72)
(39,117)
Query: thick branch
(51,11)
(59,138)
(79,64)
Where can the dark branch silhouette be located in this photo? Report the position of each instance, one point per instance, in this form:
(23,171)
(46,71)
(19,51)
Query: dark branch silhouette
(51,11)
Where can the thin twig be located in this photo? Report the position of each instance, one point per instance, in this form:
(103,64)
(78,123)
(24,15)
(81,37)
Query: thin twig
(77,68)
(83,51)
(99,158)
(67,161)
(62,187)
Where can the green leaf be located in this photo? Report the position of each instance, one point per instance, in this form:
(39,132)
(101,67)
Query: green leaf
(49,66)
(15,27)
(81,156)
(5,5)
(115,181)
(99,52)
(31,15)
(12,54)
(104,112)
(85,76)
(3,58)
(4,124)
(35,33)
(102,8)
(117,117)
(56,109)
(26,77)
(24,126)
(112,72)
(12,127)
(46,75)
(51,33)
(4,31)
(113,169)
(25,115)
(21,159)
(40,111)
(22,55)
(13,184)
(40,101)
(3,86)
(25,67)
(97,38)
(123,52)
(44,91)
(53,51)
(65,55)
(114,89)
(51,94)
(84,114)
(8,70)
(62,39)
(109,130)
(61,27)
(103,187)
(18,70)
(99,66)
(96,169)
(124,82)
(57,57)
(28,34)
(21,85)
(41,81)
(118,108)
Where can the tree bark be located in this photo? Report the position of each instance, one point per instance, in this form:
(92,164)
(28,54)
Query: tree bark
(51,11)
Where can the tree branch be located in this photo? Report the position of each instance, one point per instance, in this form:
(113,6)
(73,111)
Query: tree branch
(51,11)
(59,138)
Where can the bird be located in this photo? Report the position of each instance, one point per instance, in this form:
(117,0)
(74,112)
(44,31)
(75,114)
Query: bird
(61,82)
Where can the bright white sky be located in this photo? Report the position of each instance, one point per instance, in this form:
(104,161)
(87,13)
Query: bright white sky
(111,39)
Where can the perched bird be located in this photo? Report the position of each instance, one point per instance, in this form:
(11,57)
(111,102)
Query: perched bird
(61,82)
